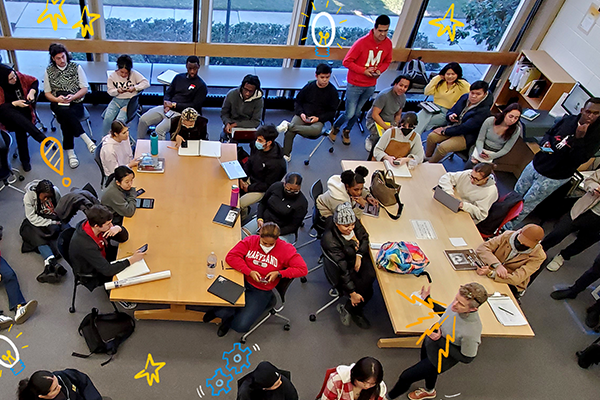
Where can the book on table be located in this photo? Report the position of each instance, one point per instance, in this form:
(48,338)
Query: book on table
(505,310)
(226,289)
(135,269)
(463,260)
(226,215)
(233,169)
(204,148)
(400,171)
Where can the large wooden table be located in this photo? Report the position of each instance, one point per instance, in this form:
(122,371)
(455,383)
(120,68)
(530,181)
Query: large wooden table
(180,233)
(417,196)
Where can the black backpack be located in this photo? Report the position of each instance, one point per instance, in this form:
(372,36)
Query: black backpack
(415,70)
(589,356)
(104,333)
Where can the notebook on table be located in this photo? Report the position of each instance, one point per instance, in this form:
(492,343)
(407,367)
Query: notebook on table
(204,148)
(449,201)
(400,171)
(233,169)
(226,289)
(226,215)
(464,260)
(135,269)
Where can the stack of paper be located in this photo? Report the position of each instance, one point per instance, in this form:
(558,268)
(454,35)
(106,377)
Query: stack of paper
(135,269)
(401,171)
(507,313)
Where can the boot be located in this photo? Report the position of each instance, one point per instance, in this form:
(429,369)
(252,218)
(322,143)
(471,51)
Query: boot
(592,318)
(346,137)
(49,275)
(333,134)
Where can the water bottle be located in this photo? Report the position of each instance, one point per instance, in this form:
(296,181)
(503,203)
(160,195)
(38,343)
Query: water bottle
(235,192)
(154,144)
(211,265)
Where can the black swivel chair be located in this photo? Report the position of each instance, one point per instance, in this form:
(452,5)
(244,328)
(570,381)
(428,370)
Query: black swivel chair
(318,224)
(274,309)
(329,267)
(8,175)
(324,135)
(99,163)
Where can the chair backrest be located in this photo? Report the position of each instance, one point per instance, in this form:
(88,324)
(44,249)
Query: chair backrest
(5,167)
(63,243)
(330,268)
(98,160)
(282,287)
(512,214)
(328,373)
(318,223)
(316,190)
(132,108)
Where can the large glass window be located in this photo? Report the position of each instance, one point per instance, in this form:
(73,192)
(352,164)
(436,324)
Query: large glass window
(467,25)
(250,21)
(352,20)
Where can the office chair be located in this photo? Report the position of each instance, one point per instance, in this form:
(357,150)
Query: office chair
(328,374)
(278,298)
(324,135)
(318,224)
(329,266)
(9,175)
(63,244)
(99,163)
(85,118)
(510,215)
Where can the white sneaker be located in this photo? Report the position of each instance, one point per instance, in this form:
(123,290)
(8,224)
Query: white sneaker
(24,312)
(92,147)
(556,263)
(5,321)
(73,161)
(287,158)
(283,126)
(127,305)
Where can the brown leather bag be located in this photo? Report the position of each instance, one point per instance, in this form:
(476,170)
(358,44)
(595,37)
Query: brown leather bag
(385,189)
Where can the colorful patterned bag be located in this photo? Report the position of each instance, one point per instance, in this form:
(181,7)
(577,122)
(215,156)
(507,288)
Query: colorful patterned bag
(402,258)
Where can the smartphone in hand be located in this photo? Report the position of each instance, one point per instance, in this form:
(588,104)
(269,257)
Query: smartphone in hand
(396,162)
(143,249)
(139,192)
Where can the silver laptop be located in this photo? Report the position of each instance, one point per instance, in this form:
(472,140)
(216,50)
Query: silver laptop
(449,201)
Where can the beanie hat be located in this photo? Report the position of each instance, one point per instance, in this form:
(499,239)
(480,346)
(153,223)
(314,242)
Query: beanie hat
(344,214)
(189,114)
(265,375)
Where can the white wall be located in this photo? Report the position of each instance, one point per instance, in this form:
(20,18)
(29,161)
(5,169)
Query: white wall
(576,52)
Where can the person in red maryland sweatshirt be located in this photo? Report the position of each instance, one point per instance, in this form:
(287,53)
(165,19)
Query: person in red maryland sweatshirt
(263,259)
(366,60)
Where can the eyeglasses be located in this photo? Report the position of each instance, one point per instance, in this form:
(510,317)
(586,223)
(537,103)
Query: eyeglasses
(291,191)
(476,179)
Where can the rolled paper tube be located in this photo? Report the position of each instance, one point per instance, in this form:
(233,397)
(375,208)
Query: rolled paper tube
(137,280)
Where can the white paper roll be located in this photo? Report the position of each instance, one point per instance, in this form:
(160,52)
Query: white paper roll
(137,280)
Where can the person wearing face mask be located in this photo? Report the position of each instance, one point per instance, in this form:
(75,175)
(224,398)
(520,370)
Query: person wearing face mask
(400,144)
(65,86)
(283,203)
(119,195)
(123,84)
(18,93)
(463,120)
(476,188)
(467,334)
(116,149)
(188,126)
(242,107)
(68,384)
(513,257)
(266,382)
(349,187)
(346,243)
(263,259)
(360,381)
(264,167)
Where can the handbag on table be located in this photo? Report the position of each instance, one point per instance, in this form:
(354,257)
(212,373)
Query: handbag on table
(385,189)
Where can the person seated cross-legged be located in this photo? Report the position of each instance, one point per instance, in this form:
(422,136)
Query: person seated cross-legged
(315,104)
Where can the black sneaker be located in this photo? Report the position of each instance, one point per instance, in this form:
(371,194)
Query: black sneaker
(562,294)
(592,318)
(208,316)
(224,327)
(26,167)
(361,321)
(60,270)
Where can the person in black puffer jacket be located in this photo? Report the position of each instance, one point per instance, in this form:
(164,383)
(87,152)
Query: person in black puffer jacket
(346,243)
(67,384)
(284,204)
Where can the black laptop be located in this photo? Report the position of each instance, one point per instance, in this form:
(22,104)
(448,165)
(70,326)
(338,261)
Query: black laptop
(226,289)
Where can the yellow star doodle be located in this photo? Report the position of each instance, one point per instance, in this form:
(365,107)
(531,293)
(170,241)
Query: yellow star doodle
(451,29)
(150,377)
(86,28)
(53,17)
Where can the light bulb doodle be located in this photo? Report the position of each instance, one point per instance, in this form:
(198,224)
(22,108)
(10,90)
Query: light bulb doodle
(56,161)
(12,359)
(326,39)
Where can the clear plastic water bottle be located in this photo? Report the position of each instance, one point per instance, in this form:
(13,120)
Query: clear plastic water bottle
(211,265)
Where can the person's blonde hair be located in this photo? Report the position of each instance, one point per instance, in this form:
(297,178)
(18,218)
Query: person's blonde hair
(475,293)
(270,229)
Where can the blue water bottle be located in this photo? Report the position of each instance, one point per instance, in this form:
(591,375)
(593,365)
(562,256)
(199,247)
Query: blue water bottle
(154,144)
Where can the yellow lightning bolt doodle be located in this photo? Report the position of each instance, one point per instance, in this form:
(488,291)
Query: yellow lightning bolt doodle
(413,299)
(449,339)
(435,327)
(421,319)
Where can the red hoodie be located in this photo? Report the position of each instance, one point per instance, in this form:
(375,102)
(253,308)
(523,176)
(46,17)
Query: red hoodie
(247,256)
(364,53)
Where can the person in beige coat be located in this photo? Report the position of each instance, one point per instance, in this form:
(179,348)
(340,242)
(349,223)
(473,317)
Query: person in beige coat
(513,257)
(584,219)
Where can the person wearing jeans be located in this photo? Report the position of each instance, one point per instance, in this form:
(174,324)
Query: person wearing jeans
(366,60)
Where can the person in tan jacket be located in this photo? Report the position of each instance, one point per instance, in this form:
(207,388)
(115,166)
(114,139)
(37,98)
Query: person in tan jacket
(512,257)
(584,219)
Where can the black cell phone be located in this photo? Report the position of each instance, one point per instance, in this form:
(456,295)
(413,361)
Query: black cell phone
(144,248)
(144,203)
(139,192)
(184,144)
(396,162)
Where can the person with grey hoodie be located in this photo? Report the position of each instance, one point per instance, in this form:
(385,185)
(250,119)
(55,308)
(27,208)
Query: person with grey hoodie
(242,107)
(119,195)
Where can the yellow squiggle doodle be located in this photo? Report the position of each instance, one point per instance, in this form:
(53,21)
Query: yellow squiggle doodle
(445,352)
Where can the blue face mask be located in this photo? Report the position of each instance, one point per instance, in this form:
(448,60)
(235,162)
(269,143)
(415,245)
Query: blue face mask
(259,146)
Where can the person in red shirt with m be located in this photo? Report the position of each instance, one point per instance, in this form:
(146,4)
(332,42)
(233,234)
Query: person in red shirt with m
(263,259)
(366,60)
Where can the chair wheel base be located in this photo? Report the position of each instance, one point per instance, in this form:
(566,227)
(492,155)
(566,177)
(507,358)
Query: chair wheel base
(71,310)
(242,341)
(44,129)
(306,162)
(53,129)
(286,327)
(21,178)
(312,317)
(303,279)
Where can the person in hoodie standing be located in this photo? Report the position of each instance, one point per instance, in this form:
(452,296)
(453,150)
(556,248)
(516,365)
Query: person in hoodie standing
(186,90)
(242,107)
(264,167)
(283,203)
(360,381)
(465,119)
(263,259)
(349,187)
(476,188)
(366,60)
(123,84)
(18,93)
(116,149)
(569,143)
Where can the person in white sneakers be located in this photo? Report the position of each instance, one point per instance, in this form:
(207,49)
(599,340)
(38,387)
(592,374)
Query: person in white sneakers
(65,86)
(584,219)
(476,188)
(16,302)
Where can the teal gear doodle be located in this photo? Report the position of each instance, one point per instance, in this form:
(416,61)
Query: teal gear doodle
(237,360)
(219,383)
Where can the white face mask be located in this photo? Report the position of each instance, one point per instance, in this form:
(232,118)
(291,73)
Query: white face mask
(266,249)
